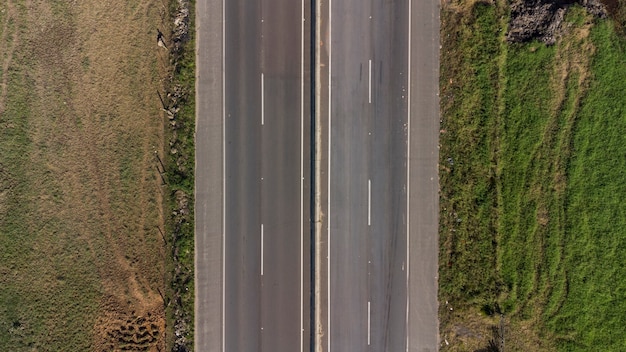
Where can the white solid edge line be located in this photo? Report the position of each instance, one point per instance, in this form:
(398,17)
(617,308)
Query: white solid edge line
(369,86)
(302,180)
(330,70)
(262,100)
(368,323)
(408,183)
(369,202)
(261,249)
(223,177)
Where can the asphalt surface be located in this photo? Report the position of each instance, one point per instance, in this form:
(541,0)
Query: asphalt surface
(242,282)
(208,177)
(424,187)
(285,169)
(378,112)
(265,231)
(380,116)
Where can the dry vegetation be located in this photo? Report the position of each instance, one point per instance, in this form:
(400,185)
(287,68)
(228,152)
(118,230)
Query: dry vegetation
(82,260)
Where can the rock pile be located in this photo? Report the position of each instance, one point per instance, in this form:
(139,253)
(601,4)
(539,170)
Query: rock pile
(182,277)
(541,19)
(180,32)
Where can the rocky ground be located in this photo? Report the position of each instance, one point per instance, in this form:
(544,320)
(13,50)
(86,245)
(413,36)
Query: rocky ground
(541,19)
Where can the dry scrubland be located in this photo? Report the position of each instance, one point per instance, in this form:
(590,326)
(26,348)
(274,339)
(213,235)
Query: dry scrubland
(80,200)
(533,175)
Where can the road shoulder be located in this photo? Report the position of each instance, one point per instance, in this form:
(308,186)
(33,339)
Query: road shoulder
(209,176)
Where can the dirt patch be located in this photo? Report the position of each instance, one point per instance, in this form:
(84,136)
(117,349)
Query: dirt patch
(466,330)
(541,19)
(129,331)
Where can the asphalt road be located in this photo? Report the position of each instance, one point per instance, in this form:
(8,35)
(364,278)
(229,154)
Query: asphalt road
(380,116)
(285,170)
(266,282)
(265,147)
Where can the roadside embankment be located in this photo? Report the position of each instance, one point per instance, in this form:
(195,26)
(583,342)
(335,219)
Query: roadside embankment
(531,172)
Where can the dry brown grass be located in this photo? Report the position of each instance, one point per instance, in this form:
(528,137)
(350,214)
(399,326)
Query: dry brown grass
(81,77)
(9,40)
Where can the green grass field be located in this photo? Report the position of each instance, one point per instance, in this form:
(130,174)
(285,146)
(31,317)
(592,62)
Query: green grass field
(532,176)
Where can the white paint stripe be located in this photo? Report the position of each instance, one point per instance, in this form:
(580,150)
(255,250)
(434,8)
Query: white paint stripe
(262,100)
(369,202)
(330,128)
(408,183)
(368,323)
(369,94)
(302,180)
(261,249)
(318,325)
(223,177)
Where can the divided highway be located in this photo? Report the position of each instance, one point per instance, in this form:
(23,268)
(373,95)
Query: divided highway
(377,110)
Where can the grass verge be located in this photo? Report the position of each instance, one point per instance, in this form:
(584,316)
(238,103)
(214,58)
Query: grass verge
(530,172)
(179,176)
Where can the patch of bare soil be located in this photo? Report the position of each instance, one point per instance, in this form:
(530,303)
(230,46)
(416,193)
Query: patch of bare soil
(96,126)
(9,40)
(541,19)
(121,330)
